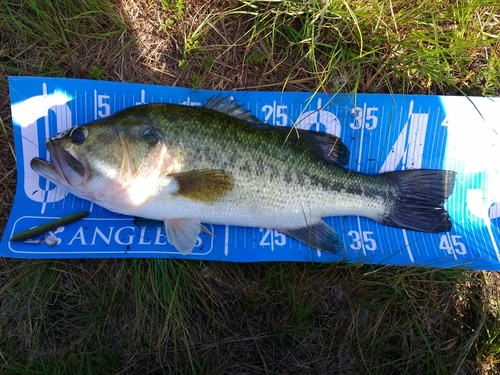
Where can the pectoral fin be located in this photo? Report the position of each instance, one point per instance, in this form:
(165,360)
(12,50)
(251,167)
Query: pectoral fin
(203,185)
(319,235)
(183,233)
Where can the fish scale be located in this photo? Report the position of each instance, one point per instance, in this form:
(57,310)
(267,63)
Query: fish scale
(265,158)
(220,165)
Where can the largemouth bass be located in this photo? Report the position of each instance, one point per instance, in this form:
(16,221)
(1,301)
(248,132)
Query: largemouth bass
(220,165)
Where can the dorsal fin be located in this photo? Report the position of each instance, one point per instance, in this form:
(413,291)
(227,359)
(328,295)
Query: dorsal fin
(325,146)
(322,145)
(229,107)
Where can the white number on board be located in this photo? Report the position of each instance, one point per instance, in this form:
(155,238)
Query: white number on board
(104,108)
(452,244)
(272,237)
(364,117)
(362,240)
(278,113)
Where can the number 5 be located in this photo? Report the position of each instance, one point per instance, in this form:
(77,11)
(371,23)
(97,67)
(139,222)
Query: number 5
(371,117)
(106,109)
(459,246)
(369,242)
(281,114)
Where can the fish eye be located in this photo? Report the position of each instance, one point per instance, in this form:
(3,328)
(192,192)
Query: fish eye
(148,132)
(150,136)
(78,134)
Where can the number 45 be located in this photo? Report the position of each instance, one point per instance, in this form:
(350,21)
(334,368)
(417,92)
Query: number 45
(451,244)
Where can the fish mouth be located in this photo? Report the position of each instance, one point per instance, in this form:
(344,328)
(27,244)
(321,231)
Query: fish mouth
(65,169)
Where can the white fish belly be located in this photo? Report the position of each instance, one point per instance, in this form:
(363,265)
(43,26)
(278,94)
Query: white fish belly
(268,207)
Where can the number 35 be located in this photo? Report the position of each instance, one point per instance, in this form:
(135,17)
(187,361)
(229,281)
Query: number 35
(362,239)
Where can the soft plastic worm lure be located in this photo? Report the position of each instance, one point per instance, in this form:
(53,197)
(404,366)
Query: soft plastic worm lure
(36,231)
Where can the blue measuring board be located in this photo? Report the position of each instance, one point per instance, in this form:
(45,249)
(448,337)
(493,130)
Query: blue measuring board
(383,133)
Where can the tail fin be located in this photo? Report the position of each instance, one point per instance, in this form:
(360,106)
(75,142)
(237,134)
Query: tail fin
(418,198)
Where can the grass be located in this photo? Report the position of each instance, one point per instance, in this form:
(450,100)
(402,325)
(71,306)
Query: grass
(136,316)
(166,316)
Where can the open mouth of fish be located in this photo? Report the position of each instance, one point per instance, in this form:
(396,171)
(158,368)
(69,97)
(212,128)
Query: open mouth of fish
(64,169)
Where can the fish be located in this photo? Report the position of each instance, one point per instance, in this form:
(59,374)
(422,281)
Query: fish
(219,164)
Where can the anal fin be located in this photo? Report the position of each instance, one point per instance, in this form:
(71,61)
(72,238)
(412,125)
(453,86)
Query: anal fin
(319,235)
